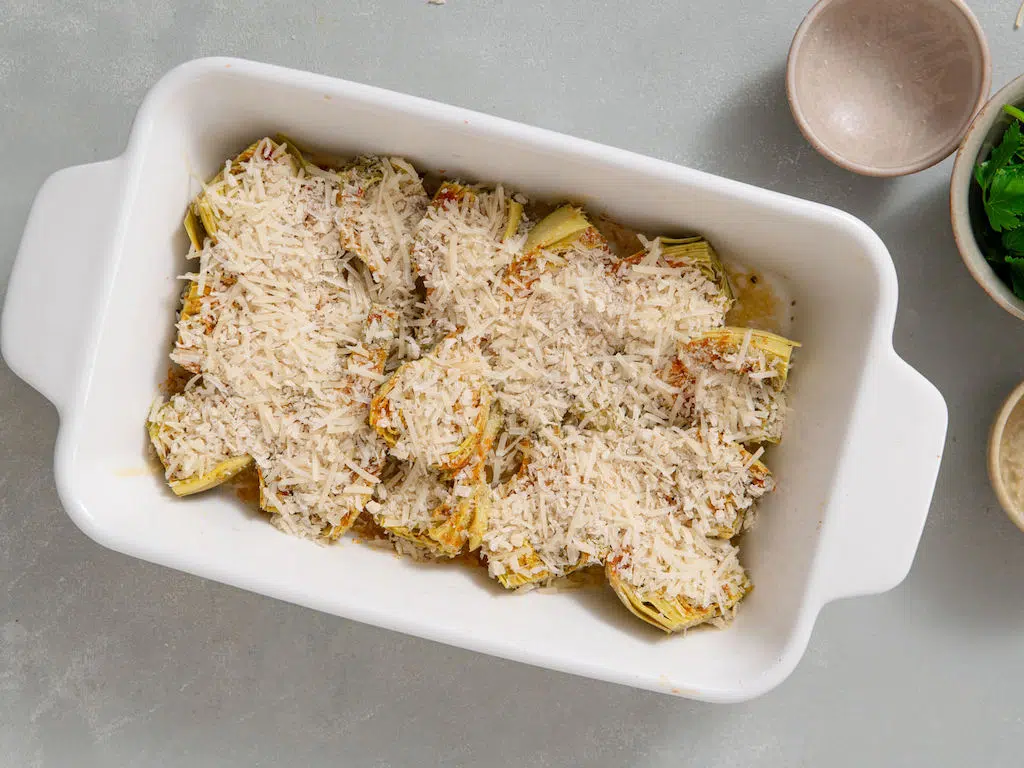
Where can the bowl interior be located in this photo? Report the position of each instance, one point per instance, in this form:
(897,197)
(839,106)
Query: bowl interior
(887,87)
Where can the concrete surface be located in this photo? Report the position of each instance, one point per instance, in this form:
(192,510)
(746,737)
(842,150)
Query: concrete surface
(105,661)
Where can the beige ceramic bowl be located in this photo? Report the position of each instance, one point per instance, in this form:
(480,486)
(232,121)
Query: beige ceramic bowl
(997,445)
(965,208)
(887,87)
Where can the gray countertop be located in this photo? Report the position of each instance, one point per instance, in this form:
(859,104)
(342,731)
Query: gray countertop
(105,660)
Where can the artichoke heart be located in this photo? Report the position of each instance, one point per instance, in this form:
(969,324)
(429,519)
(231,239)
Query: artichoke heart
(470,447)
(515,218)
(550,242)
(696,251)
(453,524)
(194,228)
(192,301)
(733,379)
(201,219)
(297,153)
(379,183)
(777,349)
(460,518)
(222,472)
(452,192)
(436,409)
(761,477)
(560,226)
(370,357)
(528,560)
(674,614)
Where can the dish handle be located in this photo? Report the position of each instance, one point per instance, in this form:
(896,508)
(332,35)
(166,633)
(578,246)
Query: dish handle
(893,457)
(54,278)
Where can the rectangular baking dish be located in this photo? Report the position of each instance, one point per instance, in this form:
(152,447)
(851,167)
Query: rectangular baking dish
(88,321)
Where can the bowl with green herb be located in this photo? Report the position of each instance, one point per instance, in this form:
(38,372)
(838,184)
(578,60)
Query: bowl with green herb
(987,198)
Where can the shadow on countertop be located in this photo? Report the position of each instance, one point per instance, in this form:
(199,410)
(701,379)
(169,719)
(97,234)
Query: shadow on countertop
(751,137)
(970,564)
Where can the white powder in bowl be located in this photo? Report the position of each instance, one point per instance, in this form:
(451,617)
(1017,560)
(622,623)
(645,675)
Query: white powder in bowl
(1011,456)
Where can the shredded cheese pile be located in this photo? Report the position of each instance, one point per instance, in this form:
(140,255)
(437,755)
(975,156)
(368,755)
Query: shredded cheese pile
(381,201)
(284,346)
(733,389)
(474,376)
(584,494)
(435,409)
(468,236)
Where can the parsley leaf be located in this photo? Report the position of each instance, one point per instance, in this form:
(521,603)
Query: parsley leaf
(1013,142)
(1016,265)
(1013,240)
(1004,202)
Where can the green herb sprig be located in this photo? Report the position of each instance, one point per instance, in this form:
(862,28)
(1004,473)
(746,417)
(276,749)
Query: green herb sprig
(1001,178)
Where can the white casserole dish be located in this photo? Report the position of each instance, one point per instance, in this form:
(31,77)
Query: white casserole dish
(88,321)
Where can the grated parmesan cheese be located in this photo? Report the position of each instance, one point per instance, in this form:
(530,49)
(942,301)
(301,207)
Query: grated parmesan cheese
(467,237)
(283,338)
(574,407)
(583,494)
(436,409)
(735,388)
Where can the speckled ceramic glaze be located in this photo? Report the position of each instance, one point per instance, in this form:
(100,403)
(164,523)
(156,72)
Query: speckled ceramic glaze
(887,87)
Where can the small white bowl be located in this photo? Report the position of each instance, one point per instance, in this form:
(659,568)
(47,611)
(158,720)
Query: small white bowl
(996,447)
(887,88)
(965,208)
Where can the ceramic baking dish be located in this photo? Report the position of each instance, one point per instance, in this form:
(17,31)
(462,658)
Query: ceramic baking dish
(88,321)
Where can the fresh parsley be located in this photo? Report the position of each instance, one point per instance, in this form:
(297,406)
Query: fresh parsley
(1001,182)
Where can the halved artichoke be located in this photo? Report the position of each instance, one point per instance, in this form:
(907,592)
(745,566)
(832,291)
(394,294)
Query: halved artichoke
(201,219)
(697,251)
(452,524)
(673,614)
(453,192)
(378,332)
(549,241)
(762,477)
(328,531)
(395,407)
(526,556)
(733,379)
(361,185)
(529,559)
(460,520)
(221,473)
(777,349)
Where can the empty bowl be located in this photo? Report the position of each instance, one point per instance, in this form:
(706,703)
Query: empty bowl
(966,210)
(887,87)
